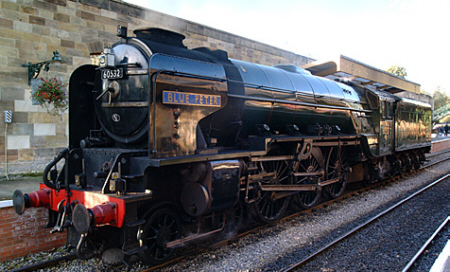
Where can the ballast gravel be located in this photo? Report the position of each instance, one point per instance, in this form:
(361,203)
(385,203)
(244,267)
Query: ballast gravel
(391,241)
(274,247)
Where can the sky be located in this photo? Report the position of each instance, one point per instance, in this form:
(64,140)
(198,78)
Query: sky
(410,33)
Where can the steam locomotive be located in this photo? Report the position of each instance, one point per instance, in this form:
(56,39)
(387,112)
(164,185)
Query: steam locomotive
(168,145)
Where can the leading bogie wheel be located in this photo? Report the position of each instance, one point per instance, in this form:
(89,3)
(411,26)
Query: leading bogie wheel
(161,227)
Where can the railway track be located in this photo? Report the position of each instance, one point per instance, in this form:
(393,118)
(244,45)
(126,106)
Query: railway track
(355,230)
(425,245)
(51,263)
(46,264)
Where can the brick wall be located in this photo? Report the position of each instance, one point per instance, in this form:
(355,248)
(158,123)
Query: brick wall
(31,30)
(22,235)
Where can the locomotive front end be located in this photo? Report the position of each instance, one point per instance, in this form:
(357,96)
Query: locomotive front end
(143,100)
(90,189)
(123,92)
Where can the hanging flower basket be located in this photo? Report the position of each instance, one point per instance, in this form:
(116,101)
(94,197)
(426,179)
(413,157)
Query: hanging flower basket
(52,96)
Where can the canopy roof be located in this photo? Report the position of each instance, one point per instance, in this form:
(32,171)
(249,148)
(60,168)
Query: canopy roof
(361,73)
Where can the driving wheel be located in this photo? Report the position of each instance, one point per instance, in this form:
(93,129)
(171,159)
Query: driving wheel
(308,199)
(336,164)
(269,207)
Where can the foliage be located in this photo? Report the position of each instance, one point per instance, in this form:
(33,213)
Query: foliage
(440,98)
(398,71)
(52,96)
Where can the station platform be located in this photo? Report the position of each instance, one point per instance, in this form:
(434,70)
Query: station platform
(23,183)
(442,263)
(439,142)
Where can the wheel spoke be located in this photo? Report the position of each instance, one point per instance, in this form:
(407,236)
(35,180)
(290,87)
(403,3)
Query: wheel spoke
(161,227)
(335,166)
(268,209)
(309,198)
(303,168)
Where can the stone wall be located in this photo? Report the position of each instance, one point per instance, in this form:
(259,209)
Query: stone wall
(30,30)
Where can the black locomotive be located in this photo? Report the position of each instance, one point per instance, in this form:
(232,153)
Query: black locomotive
(169,144)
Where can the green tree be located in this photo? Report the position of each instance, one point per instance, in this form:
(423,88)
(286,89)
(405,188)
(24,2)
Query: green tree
(440,98)
(398,71)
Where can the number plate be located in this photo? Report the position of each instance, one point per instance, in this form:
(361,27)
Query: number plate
(112,73)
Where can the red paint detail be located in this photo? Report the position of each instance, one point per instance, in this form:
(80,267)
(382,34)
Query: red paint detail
(105,213)
(90,199)
(40,198)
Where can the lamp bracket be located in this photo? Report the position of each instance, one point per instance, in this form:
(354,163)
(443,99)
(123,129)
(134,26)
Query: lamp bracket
(35,68)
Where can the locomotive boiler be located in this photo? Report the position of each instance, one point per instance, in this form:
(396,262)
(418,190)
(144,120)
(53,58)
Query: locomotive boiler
(169,144)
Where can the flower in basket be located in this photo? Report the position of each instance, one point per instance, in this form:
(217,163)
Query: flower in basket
(52,96)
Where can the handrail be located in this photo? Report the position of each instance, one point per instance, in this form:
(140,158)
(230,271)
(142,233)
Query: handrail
(62,155)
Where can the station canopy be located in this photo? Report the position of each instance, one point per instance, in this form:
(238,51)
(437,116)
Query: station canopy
(360,73)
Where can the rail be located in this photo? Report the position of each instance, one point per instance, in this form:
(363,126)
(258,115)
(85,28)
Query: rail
(366,223)
(427,243)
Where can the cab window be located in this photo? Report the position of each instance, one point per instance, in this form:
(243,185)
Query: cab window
(386,108)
